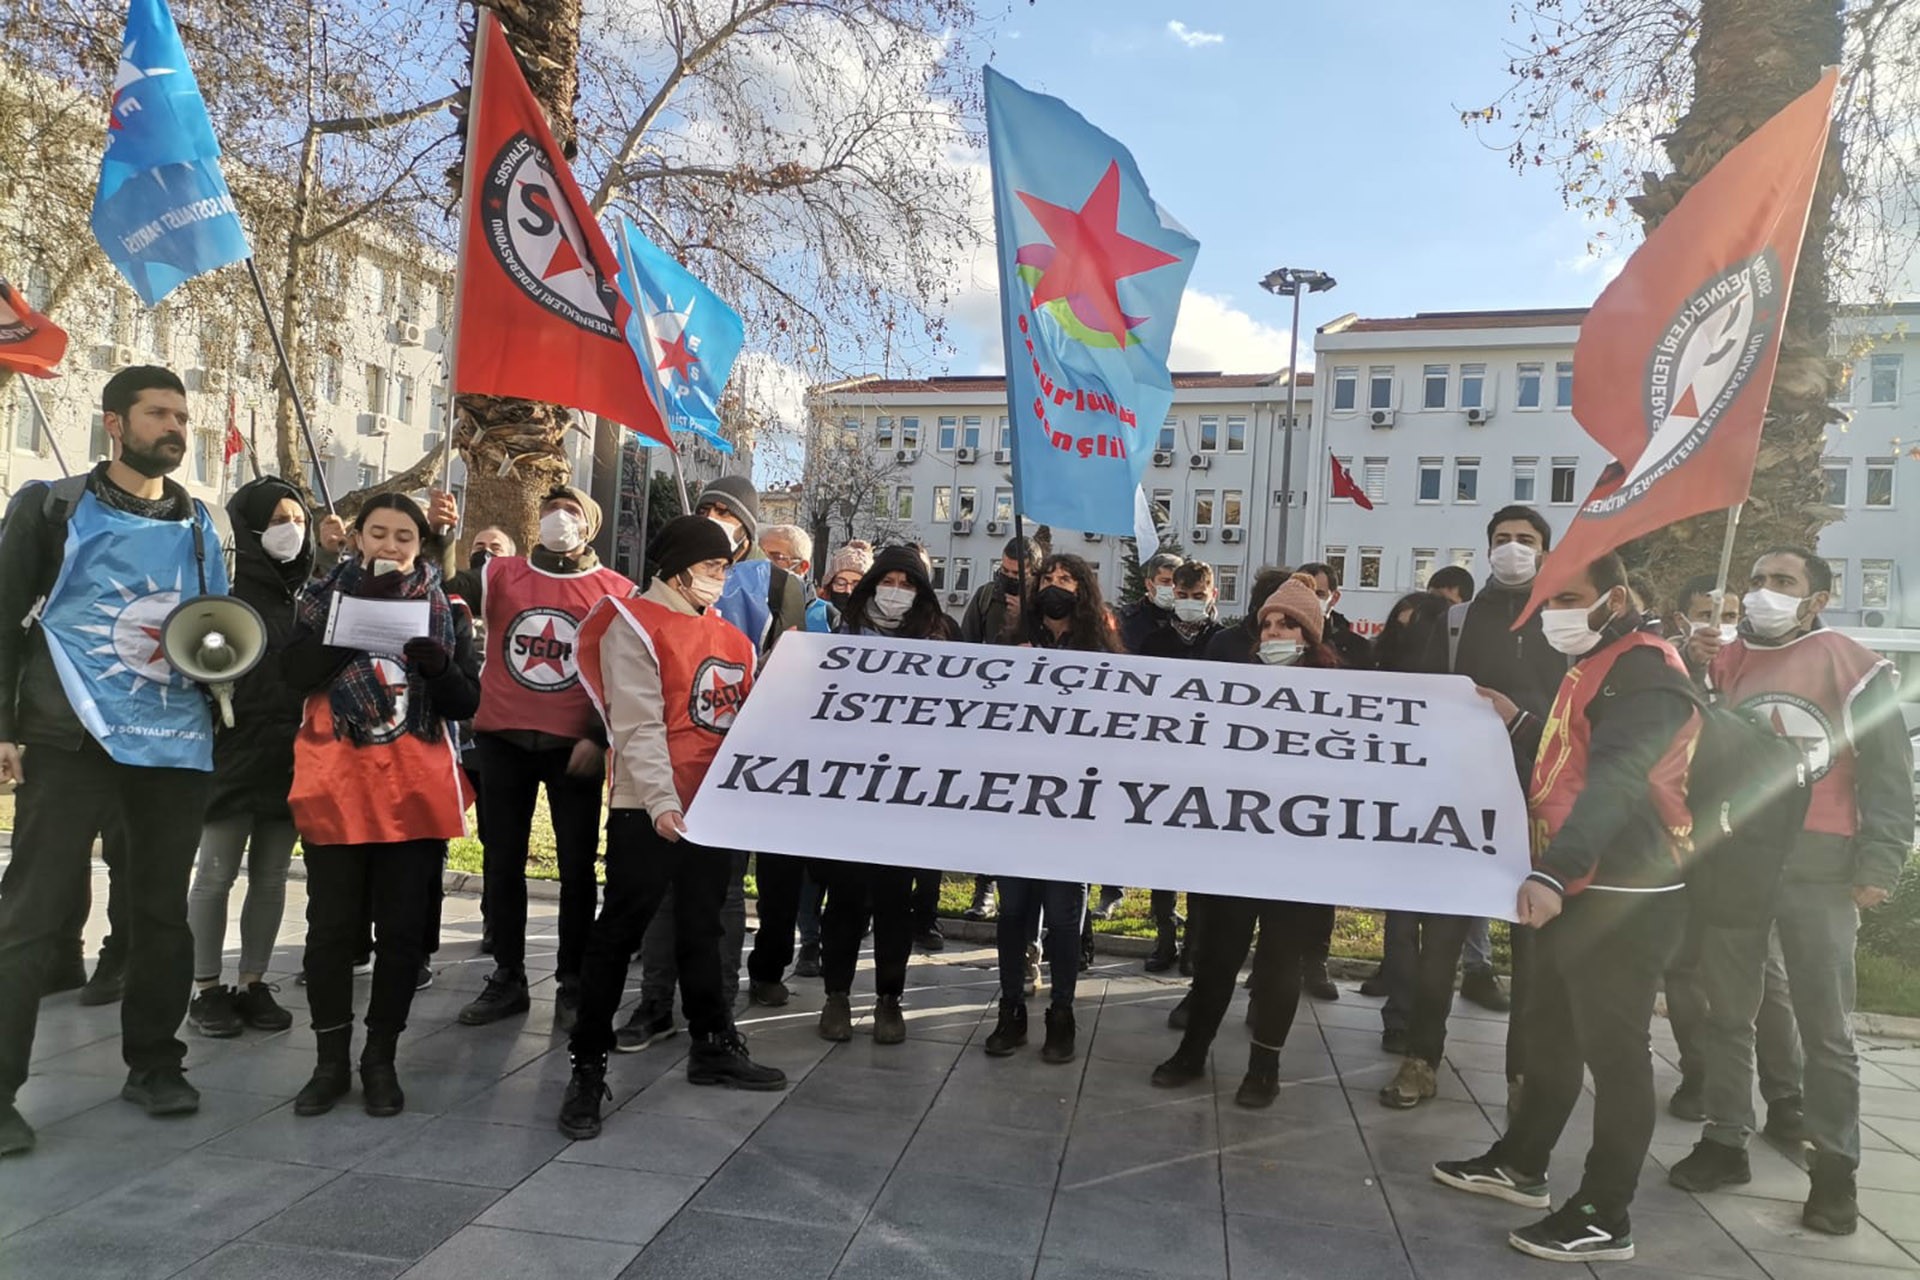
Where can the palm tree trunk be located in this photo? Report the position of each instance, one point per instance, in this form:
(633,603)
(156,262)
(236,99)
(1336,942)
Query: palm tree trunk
(1751,59)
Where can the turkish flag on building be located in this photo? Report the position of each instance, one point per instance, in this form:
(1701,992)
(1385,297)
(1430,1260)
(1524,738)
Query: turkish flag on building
(1676,359)
(1345,486)
(235,445)
(29,342)
(538,316)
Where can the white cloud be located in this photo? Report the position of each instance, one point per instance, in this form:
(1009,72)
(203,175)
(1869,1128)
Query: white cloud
(1192,38)
(1212,333)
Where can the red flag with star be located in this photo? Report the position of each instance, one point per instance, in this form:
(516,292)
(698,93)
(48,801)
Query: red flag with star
(1345,486)
(539,315)
(29,342)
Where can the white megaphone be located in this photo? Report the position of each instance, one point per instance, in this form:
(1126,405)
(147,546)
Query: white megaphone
(214,640)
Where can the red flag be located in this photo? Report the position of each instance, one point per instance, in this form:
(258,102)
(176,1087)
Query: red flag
(235,445)
(539,315)
(29,342)
(1345,486)
(1675,361)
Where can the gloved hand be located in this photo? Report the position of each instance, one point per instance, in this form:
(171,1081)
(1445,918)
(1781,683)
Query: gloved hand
(385,586)
(426,656)
(478,560)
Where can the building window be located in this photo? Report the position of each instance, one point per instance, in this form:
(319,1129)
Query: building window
(26,427)
(1369,566)
(1335,558)
(1203,508)
(1003,505)
(909,433)
(1838,596)
(1876,584)
(328,379)
(1345,389)
(850,433)
(1879,489)
(1473,386)
(939,572)
(437,409)
(1209,435)
(949,429)
(1526,479)
(1006,436)
(1562,480)
(963,573)
(1236,435)
(1563,384)
(1374,478)
(1169,435)
(376,389)
(969,502)
(403,397)
(1836,474)
(1380,387)
(1883,381)
(99,444)
(1162,504)
(1466,479)
(1423,558)
(970,433)
(942,503)
(1428,489)
(1527,387)
(903,502)
(1462,556)
(883,432)
(369,475)
(206,457)
(1435,394)
(1231,500)
(1226,578)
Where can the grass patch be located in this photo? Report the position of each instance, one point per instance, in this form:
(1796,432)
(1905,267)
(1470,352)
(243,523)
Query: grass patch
(1887,986)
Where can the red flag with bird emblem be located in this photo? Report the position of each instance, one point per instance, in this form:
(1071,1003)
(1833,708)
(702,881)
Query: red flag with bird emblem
(29,342)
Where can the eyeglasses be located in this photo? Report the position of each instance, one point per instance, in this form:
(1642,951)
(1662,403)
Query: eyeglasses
(781,559)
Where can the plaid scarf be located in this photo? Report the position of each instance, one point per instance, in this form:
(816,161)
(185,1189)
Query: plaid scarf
(358,696)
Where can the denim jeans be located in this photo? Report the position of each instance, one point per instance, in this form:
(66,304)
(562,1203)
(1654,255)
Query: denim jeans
(1400,968)
(1776,1037)
(266,845)
(1476,956)
(1021,903)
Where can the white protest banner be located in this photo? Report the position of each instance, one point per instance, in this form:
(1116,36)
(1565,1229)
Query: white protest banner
(1364,788)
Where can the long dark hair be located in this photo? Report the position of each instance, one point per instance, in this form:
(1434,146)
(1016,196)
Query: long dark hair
(925,621)
(1402,646)
(1089,626)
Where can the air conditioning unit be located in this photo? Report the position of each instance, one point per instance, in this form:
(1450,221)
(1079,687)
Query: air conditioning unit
(1873,618)
(1002,457)
(956,597)
(964,454)
(905,455)
(375,424)
(1199,462)
(212,380)
(963,526)
(1200,535)
(1478,416)
(1233,533)
(408,334)
(1093,537)
(1163,457)
(996,527)
(117,356)
(1379,419)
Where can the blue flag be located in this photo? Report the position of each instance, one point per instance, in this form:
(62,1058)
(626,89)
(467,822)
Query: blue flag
(685,336)
(163,212)
(1091,275)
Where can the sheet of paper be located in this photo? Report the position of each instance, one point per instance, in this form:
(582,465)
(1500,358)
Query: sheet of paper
(376,626)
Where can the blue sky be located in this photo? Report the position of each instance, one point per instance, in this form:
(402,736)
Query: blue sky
(1316,135)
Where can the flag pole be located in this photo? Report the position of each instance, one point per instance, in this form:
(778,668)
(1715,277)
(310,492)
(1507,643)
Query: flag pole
(253,441)
(293,386)
(46,423)
(679,477)
(475,75)
(1726,558)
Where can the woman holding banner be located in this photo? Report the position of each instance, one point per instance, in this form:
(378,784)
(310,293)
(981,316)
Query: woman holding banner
(1292,626)
(895,599)
(1066,612)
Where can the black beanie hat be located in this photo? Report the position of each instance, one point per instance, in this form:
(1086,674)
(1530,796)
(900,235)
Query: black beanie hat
(685,542)
(901,559)
(737,496)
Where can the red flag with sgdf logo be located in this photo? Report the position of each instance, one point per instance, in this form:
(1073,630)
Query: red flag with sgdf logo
(29,342)
(539,315)
(1675,361)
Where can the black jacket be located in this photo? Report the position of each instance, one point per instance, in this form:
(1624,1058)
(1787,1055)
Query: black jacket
(308,664)
(1166,643)
(985,620)
(1520,664)
(1345,641)
(1140,620)
(1237,643)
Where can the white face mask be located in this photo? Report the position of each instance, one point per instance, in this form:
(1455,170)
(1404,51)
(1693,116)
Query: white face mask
(1514,563)
(1278,653)
(283,541)
(702,592)
(1728,631)
(890,604)
(1771,614)
(562,531)
(1326,606)
(1567,630)
(1191,610)
(1163,597)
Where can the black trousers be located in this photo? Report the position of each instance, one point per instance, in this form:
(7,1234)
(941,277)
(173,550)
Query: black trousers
(778,877)
(511,779)
(113,847)
(858,892)
(479,821)
(1288,933)
(1442,939)
(1597,966)
(68,799)
(397,888)
(926,900)
(641,867)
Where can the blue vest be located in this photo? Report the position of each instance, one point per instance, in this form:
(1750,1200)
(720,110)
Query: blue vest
(121,577)
(819,615)
(743,601)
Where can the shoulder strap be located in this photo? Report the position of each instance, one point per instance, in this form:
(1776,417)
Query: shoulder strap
(1456,622)
(62,496)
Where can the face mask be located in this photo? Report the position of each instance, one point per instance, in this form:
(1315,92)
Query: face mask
(1054,602)
(478,560)
(562,531)
(890,604)
(1009,583)
(1514,563)
(1278,653)
(1771,614)
(1191,610)
(1326,607)
(702,592)
(1567,630)
(838,599)
(1163,598)
(283,541)
(1729,632)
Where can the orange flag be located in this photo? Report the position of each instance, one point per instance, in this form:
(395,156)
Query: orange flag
(1675,361)
(29,342)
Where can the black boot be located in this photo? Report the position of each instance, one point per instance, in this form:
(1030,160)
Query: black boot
(1178,1015)
(1010,1032)
(981,908)
(1185,1066)
(332,1073)
(109,979)
(722,1059)
(1315,982)
(1711,1166)
(1833,1206)
(379,1082)
(580,1109)
(1059,1044)
(504,995)
(1166,949)
(889,1023)
(1262,1083)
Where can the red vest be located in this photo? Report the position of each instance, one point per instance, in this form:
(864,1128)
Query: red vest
(530,680)
(1560,768)
(706,670)
(1805,690)
(398,787)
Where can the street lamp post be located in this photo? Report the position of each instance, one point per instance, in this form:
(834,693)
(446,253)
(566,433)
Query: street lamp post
(1290,282)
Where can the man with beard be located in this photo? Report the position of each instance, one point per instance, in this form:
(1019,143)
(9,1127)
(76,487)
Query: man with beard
(99,731)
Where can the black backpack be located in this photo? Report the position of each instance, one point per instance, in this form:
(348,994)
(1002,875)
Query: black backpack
(1748,790)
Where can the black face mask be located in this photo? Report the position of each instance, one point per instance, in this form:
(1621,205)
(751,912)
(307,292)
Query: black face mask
(1009,583)
(838,599)
(1054,602)
(478,560)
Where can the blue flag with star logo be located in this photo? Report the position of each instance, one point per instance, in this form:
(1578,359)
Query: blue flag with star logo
(162,211)
(686,338)
(1091,276)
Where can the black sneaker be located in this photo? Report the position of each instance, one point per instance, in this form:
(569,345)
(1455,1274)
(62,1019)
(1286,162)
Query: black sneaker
(647,1024)
(771,995)
(1786,1121)
(1178,1015)
(836,1018)
(566,1006)
(214,1015)
(1833,1205)
(163,1091)
(425,979)
(580,1109)
(1484,989)
(1485,1176)
(981,908)
(1058,1047)
(16,1135)
(1712,1165)
(1109,899)
(1184,1067)
(1009,1030)
(1376,985)
(889,1023)
(723,1060)
(1315,982)
(108,983)
(69,974)
(1262,1082)
(1688,1101)
(808,963)
(505,995)
(1576,1233)
(930,939)
(486,939)
(258,1009)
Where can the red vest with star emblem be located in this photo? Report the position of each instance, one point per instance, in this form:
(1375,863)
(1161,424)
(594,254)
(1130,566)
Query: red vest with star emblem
(531,680)
(398,787)
(706,670)
(1805,690)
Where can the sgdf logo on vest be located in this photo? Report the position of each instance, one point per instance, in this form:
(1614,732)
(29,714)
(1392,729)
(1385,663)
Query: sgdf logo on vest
(538,648)
(393,678)
(1799,720)
(532,233)
(719,690)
